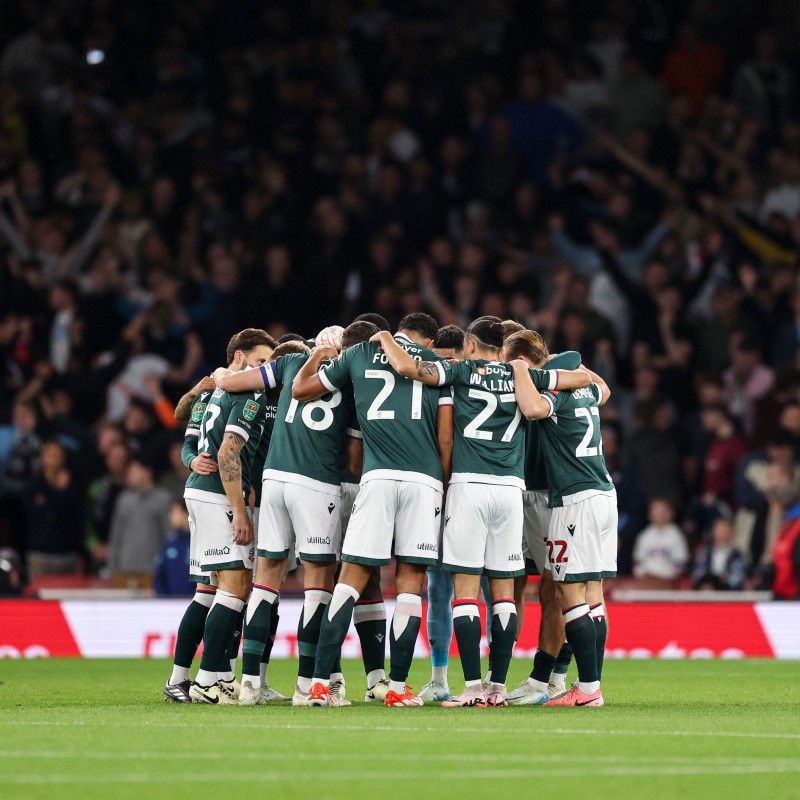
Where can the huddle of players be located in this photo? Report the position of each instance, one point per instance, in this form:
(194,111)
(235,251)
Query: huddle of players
(411,423)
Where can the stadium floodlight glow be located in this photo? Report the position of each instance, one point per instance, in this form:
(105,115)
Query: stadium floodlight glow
(95,57)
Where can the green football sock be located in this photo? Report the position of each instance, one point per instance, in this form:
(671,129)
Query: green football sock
(333,631)
(581,635)
(221,622)
(467,629)
(598,614)
(192,627)
(257,627)
(406,623)
(370,620)
(564,659)
(314,604)
(543,665)
(504,633)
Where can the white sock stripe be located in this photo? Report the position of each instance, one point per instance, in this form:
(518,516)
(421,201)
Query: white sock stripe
(228,600)
(504,607)
(597,613)
(369,612)
(465,610)
(341,593)
(575,613)
(317,596)
(257,597)
(410,604)
(204,598)
(407,606)
(314,598)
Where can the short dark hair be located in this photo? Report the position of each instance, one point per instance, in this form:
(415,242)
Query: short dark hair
(489,331)
(450,337)
(423,324)
(292,346)
(247,341)
(375,319)
(357,332)
(291,337)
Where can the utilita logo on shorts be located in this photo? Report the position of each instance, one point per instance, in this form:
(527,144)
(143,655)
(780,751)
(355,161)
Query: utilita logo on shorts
(319,540)
(427,546)
(217,551)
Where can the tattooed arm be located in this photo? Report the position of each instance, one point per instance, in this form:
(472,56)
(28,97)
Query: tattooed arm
(423,371)
(230,471)
(184,408)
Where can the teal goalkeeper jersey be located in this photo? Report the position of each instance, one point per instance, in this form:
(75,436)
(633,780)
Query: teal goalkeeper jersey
(489,444)
(573,449)
(397,416)
(309,441)
(535,469)
(242,415)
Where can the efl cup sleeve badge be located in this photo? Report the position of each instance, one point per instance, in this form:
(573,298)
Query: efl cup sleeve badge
(250,410)
(198,411)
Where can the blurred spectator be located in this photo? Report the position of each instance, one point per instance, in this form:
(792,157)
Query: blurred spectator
(10,573)
(661,550)
(719,564)
(139,526)
(171,576)
(102,498)
(54,508)
(747,380)
(786,556)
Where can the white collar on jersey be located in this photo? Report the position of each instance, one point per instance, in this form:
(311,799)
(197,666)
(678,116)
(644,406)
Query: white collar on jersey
(401,335)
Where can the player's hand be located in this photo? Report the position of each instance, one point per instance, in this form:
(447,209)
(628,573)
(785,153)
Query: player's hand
(330,337)
(205,384)
(518,363)
(324,352)
(204,464)
(219,372)
(242,527)
(380,337)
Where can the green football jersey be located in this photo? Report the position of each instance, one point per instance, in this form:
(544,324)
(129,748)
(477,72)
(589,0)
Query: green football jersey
(535,469)
(241,414)
(189,449)
(490,443)
(573,449)
(260,456)
(309,442)
(397,416)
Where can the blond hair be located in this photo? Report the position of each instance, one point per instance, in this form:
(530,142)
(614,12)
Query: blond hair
(526,343)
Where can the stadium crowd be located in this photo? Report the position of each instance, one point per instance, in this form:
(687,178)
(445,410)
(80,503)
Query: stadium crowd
(626,184)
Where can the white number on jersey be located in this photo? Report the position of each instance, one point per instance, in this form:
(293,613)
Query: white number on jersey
(473,430)
(326,406)
(376,412)
(589,414)
(212,412)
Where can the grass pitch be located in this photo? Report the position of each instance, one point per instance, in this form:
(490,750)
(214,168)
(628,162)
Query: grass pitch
(683,729)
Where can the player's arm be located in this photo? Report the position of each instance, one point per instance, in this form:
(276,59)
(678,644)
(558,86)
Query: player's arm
(308,384)
(184,408)
(531,403)
(230,472)
(445,428)
(423,371)
(246,381)
(605,392)
(355,455)
(569,379)
(201,463)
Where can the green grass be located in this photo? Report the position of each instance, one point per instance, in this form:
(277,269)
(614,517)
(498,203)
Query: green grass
(683,729)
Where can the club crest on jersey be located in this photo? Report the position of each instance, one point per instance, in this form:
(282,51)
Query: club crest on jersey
(250,410)
(198,411)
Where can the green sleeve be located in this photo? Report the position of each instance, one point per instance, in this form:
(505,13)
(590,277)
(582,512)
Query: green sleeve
(569,359)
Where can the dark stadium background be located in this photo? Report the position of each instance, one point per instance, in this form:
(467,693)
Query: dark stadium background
(622,176)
